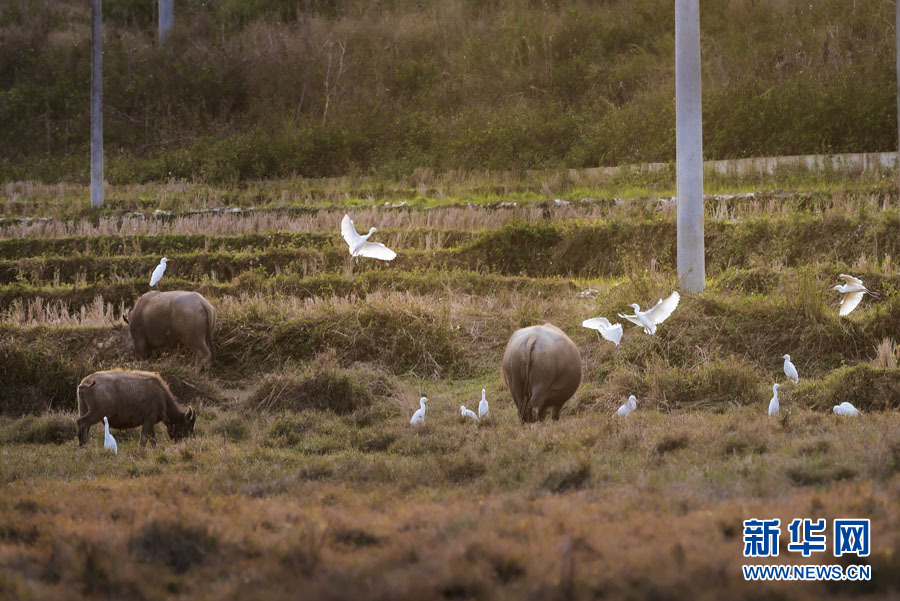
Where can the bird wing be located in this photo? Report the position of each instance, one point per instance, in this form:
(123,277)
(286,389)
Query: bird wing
(483,408)
(850,279)
(613,333)
(791,372)
(850,302)
(157,274)
(663,308)
(596,323)
(376,250)
(623,410)
(632,318)
(348,231)
(773,405)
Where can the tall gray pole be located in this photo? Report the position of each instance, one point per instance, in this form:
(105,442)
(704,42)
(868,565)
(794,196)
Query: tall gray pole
(166,19)
(689,147)
(897,36)
(96,105)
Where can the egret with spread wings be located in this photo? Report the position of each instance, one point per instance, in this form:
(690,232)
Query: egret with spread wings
(651,318)
(610,331)
(360,245)
(852,293)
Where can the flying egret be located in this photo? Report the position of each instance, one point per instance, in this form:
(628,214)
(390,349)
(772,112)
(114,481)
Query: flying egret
(467,413)
(109,442)
(483,406)
(650,318)
(419,416)
(773,404)
(158,273)
(627,407)
(852,293)
(846,408)
(790,370)
(612,332)
(360,245)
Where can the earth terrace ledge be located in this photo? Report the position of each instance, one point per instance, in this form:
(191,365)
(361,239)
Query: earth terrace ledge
(846,162)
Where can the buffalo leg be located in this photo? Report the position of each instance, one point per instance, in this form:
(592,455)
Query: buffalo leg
(203,361)
(147,433)
(84,424)
(542,413)
(556,413)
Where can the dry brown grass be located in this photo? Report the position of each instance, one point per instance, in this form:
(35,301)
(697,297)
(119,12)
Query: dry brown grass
(561,510)
(886,354)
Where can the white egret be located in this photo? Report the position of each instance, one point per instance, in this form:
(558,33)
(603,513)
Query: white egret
(846,408)
(650,318)
(627,407)
(419,416)
(852,293)
(483,406)
(790,370)
(467,413)
(109,442)
(773,403)
(360,245)
(612,332)
(158,273)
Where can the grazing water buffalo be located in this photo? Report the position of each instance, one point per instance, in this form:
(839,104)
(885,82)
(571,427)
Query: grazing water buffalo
(166,318)
(131,399)
(542,368)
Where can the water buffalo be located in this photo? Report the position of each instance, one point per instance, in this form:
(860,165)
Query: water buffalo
(166,318)
(131,399)
(542,368)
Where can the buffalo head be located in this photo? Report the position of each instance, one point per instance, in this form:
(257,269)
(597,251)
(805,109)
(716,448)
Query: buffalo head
(183,427)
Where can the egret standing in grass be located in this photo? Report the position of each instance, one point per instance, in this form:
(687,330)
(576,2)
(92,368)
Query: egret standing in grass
(610,331)
(790,370)
(467,413)
(158,273)
(846,408)
(773,403)
(483,408)
(651,318)
(108,441)
(851,293)
(419,416)
(360,245)
(627,407)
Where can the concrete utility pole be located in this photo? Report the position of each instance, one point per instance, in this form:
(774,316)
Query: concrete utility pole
(166,20)
(689,147)
(96,105)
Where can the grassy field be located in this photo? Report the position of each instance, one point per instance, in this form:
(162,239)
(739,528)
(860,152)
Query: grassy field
(305,478)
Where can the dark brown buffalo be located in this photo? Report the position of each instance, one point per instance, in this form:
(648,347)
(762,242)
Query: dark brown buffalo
(542,369)
(131,399)
(163,319)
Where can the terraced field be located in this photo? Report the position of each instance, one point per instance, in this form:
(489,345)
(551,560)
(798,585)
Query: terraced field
(304,474)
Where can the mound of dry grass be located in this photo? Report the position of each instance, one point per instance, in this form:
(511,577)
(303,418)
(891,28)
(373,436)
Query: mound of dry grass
(867,387)
(49,428)
(321,385)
